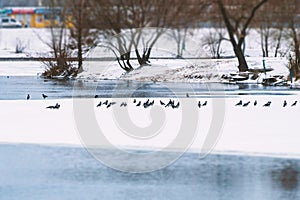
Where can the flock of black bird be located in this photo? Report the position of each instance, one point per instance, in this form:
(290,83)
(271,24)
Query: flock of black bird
(171,103)
(55,107)
(139,103)
(268,104)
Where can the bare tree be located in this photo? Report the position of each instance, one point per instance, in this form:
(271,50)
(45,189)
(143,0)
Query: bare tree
(135,26)
(293,20)
(237,18)
(82,36)
(270,22)
(60,65)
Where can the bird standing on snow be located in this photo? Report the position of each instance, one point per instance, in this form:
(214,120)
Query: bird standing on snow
(176,106)
(100,104)
(239,103)
(124,104)
(162,103)
(199,104)
(284,104)
(139,104)
(44,96)
(57,106)
(205,103)
(246,104)
(295,104)
(28,97)
(106,103)
(268,104)
(255,103)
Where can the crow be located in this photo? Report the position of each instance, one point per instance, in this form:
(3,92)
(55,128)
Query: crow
(124,104)
(57,106)
(96,96)
(187,95)
(44,96)
(105,103)
(139,104)
(100,104)
(171,103)
(147,103)
(177,106)
(205,103)
(199,104)
(162,103)
(111,104)
(284,104)
(134,101)
(152,103)
(268,104)
(294,104)
(255,103)
(246,104)
(28,97)
(239,103)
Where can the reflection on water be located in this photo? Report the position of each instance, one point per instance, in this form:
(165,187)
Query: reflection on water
(15,88)
(287,176)
(37,172)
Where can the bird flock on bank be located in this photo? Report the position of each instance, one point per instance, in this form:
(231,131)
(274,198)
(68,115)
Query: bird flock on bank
(267,104)
(55,107)
(169,104)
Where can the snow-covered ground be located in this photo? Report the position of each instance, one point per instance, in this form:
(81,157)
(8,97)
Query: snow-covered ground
(245,130)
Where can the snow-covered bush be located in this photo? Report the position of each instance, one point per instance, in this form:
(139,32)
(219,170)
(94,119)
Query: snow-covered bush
(20,46)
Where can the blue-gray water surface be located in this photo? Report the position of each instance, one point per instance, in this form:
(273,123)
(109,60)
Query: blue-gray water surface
(41,172)
(17,88)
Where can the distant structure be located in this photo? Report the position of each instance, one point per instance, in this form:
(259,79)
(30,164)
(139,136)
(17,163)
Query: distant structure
(36,17)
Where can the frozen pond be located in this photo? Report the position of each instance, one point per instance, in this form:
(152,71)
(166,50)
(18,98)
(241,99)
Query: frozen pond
(36,172)
(17,88)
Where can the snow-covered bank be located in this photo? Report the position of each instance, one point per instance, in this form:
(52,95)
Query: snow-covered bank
(246,130)
(183,70)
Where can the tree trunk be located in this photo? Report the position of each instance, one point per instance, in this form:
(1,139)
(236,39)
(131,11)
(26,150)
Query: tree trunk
(79,38)
(144,59)
(278,44)
(243,66)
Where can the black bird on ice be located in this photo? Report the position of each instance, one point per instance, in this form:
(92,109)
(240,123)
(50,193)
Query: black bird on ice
(295,104)
(124,104)
(162,103)
(284,104)
(57,106)
(268,104)
(239,103)
(246,104)
(44,96)
(100,104)
(199,104)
